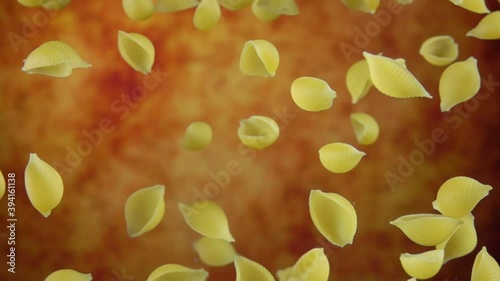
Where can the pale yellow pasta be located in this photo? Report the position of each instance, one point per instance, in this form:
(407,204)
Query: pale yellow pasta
(235,4)
(169,6)
(259,58)
(2,185)
(208,219)
(207,14)
(53,58)
(285,274)
(439,50)
(365,127)
(144,210)
(197,136)
(393,79)
(137,50)
(68,274)
(248,270)
(312,94)
(488,28)
(43,184)
(138,9)
(427,229)
(367,6)
(358,80)
(462,242)
(459,195)
(214,252)
(476,6)
(175,272)
(31,3)
(339,157)
(258,132)
(459,82)
(334,217)
(405,2)
(312,266)
(424,265)
(47,4)
(485,267)
(268,10)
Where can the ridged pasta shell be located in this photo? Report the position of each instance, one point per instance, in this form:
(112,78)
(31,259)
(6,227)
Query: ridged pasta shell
(214,252)
(488,28)
(459,82)
(312,266)
(137,50)
(234,5)
(144,209)
(138,9)
(258,132)
(459,195)
(485,267)
(424,265)
(2,185)
(285,274)
(392,79)
(53,58)
(197,136)
(312,94)
(358,80)
(462,242)
(259,58)
(208,219)
(427,229)
(55,4)
(334,217)
(476,6)
(339,157)
(439,50)
(207,14)
(268,10)
(366,6)
(43,184)
(169,6)
(365,127)
(175,272)
(68,274)
(248,270)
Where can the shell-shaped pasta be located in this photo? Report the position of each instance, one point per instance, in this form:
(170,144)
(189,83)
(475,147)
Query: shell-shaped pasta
(439,50)
(365,128)
(424,265)
(367,6)
(459,82)
(169,6)
(259,58)
(459,195)
(393,79)
(358,80)
(207,14)
(235,4)
(55,4)
(2,185)
(334,217)
(312,94)
(248,270)
(214,252)
(462,242)
(137,50)
(53,58)
(197,136)
(427,229)
(312,266)
(405,2)
(485,267)
(488,28)
(339,157)
(138,9)
(285,274)
(258,132)
(144,210)
(31,3)
(43,184)
(268,10)
(175,272)
(68,274)
(476,6)
(208,219)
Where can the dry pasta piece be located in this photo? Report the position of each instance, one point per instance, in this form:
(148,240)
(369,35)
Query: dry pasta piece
(334,217)
(47,4)
(235,4)
(285,274)
(144,210)
(424,265)
(268,10)
(214,252)
(358,80)
(393,79)
(31,3)
(476,6)
(169,6)
(259,58)
(365,128)
(459,82)
(198,135)
(488,28)
(43,184)
(405,2)
(312,94)
(312,266)
(208,219)
(2,185)
(248,270)
(138,9)
(258,132)
(462,242)
(68,274)
(175,272)
(339,157)
(439,50)
(137,50)
(427,229)
(485,267)
(366,6)
(207,14)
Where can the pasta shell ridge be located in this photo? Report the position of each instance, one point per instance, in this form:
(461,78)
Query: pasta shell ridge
(485,267)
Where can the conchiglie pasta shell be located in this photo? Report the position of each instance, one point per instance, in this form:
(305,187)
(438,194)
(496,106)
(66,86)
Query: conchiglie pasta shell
(197,136)
(138,9)
(207,14)
(137,50)
(144,210)
(175,272)
(208,219)
(285,274)
(55,4)
(424,265)
(268,10)
(31,3)
(259,58)
(366,6)
(462,242)
(488,28)
(68,274)
(392,79)
(248,270)
(2,185)
(312,94)
(365,128)
(169,6)
(439,50)
(312,266)
(334,217)
(459,195)
(214,252)
(258,132)
(476,6)
(43,185)
(358,80)
(485,267)
(427,229)
(235,4)
(339,157)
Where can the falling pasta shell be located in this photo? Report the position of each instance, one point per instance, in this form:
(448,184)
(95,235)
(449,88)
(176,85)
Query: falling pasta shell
(207,14)
(285,274)
(462,241)
(366,6)
(358,80)
(488,28)
(339,157)
(214,252)
(424,265)
(175,272)
(365,127)
(198,135)
(55,4)
(137,50)
(258,132)
(312,94)
(268,10)
(439,50)
(312,266)
(2,185)
(234,5)
(485,267)
(144,210)
(248,270)
(476,6)
(68,274)
(259,58)
(170,6)
(138,10)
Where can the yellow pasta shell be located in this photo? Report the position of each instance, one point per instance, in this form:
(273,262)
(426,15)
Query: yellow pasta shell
(144,210)
(393,79)
(476,6)
(459,82)
(367,6)
(439,50)
(169,6)
(334,217)
(339,157)
(235,4)
(488,28)
(43,185)
(312,266)
(248,270)
(137,50)
(214,252)
(485,267)
(268,10)
(55,4)
(358,80)
(259,58)
(2,185)
(312,94)
(207,14)
(258,132)
(138,9)
(175,272)
(31,3)
(285,274)
(424,265)
(68,274)
(462,242)
(365,128)
(404,2)
(427,229)
(197,136)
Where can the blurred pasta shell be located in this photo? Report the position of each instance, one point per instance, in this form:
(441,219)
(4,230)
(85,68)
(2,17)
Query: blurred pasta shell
(137,50)
(43,184)
(393,79)
(366,6)
(339,157)
(2,185)
(207,14)
(488,28)
(31,3)
(175,272)
(312,94)
(365,127)
(169,6)
(214,252)
(439,50)
(312,266)
(485,267)
(248,270)
(258,132)
(55,4)
(476,6)
(459,82)
(424,265)
(462,242)
(259,58)
(268,10)
(405,2)
(334,217)
(234,5)
(197,136)
(68,274)
(138,9)
(144,209)
(358,80)
(285,274)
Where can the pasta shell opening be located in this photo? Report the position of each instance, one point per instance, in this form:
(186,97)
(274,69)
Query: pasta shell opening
(248,270)
(312,266)
(365,127)
(214,252)
(340,157)
(462,241)
(138,10)
(144,210)
(312,94)
(269,10)
(424,265)
(439,50)
(137,51)
(258,132)
(198,135)
(485,267)
(366,6)
(259,58)
(207,14)
(488,28)
(68,274)
(175,272)
(358,80)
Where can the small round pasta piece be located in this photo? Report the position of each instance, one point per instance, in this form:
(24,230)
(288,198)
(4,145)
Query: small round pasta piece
(198,135)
